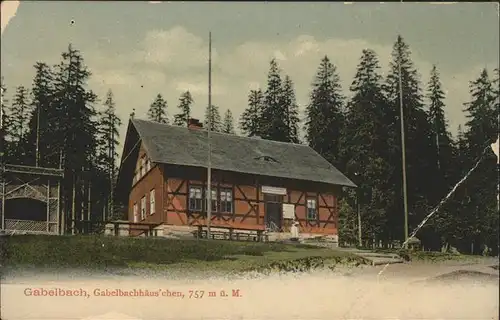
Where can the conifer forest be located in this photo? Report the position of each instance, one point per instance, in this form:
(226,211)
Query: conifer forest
(58,122)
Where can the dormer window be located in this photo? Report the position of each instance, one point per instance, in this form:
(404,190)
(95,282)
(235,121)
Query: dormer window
(267,159)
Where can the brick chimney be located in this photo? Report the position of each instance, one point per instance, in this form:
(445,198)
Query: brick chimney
(194,124)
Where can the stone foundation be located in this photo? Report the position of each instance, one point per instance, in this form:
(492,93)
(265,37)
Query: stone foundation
(329,240)
(123,230)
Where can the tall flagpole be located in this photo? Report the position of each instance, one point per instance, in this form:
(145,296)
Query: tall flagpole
(403,152)
(209,120)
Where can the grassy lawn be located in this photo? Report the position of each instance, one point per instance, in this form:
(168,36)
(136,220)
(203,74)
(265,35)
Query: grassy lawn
(101,253)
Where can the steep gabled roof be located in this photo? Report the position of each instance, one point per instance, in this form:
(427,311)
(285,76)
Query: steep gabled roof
(188,147)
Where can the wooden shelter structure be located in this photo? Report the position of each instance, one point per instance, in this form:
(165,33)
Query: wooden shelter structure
(30,200)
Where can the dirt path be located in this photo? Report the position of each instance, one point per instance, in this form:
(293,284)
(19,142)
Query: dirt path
(419,270)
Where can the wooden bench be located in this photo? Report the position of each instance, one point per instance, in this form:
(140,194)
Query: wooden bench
(146,228)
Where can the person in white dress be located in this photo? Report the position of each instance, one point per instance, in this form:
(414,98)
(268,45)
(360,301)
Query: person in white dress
(294,230)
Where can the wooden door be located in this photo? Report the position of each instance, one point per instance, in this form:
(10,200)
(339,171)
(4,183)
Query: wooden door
(273,212)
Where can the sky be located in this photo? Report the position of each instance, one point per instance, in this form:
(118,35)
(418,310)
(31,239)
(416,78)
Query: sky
(140,49)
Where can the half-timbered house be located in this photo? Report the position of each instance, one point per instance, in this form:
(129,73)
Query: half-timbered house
(256,183)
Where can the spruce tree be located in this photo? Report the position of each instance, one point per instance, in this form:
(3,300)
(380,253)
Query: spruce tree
(74,127)
(452,222)
(108,143)
(348,229)
(496,95)
(494,221)
(185,103)
(19,119)
(496,88)
(109,125)
(41,125)
(460,155)
(482,130)
(443,155)
(460,152)
(324,118)
(228,122)
(441,140)
(158,110)
(441,136)
(273,116)
(251,118)
(364,145)
(291,111)
(419,154)
(74,133)
(482,125)
(4,123)
(5,101)
(213,115)
(4,94)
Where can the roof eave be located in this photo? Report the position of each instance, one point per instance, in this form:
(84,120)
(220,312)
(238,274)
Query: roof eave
(349,183)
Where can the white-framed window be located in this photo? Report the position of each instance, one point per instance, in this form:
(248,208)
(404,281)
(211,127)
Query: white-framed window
(214,200)
(226,200)
(143,208)
(138,171)
(148,165)
(195,198)
(312,210)
(143,167)
(137,175)
(152,201)
(136,213)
